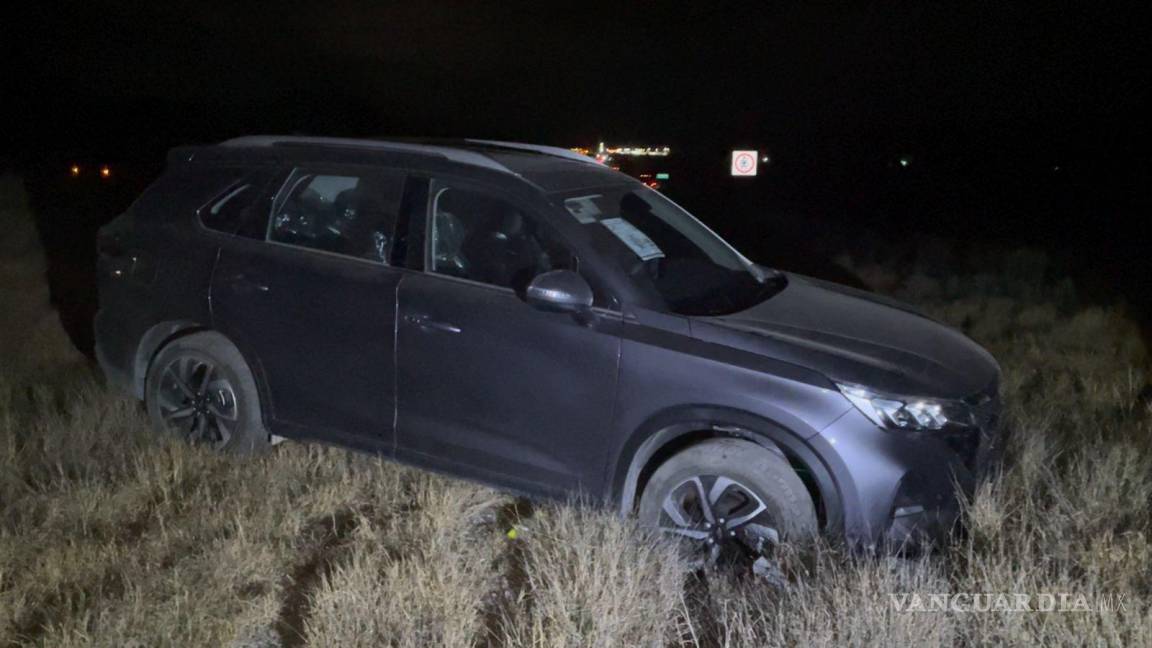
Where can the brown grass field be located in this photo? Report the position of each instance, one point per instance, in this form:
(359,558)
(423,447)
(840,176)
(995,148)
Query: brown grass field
(111,536)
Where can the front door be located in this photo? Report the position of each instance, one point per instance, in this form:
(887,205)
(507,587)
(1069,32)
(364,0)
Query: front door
(487,385)
(313,303)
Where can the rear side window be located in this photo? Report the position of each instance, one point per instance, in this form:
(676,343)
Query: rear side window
(351,212)
(242,208)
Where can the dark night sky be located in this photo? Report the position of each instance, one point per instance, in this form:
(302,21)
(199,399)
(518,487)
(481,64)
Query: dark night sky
(1061,80)
(986,98)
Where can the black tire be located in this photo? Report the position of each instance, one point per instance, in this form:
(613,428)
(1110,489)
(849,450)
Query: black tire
(758,476)
(224,401)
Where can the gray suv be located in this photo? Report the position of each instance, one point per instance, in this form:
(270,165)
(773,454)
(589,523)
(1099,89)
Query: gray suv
(526,317)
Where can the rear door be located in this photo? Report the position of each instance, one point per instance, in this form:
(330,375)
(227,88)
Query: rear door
(311,300)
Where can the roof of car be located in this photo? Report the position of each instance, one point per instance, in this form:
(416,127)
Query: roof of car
(549,167)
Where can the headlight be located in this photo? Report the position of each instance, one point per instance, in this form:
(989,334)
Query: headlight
(905,412)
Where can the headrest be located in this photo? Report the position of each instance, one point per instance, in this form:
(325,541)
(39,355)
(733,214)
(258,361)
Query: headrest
(512,222)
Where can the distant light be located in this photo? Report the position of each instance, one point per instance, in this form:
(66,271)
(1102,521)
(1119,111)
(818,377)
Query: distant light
(662,176)
(105,171)
(765,159)
(1056,168)
(605,153)
(904,162)
(639,151)
(75,170)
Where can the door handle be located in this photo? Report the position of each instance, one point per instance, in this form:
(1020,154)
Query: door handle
(431,325)
(441,326)
(242,283)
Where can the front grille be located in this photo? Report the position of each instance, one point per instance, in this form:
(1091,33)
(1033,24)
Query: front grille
(966,444)
(986,415)
(986,406)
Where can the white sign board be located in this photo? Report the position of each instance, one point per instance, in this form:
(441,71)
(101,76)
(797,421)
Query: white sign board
(744,163)
(637,241)
(584,208)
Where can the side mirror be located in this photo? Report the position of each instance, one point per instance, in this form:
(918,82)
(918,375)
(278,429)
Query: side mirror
(561,291)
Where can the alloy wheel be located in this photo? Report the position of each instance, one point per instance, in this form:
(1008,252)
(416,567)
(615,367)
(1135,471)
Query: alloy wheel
(720,520)
(197,401)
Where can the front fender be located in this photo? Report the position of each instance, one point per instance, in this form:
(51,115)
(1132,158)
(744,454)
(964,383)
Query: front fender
(684,425)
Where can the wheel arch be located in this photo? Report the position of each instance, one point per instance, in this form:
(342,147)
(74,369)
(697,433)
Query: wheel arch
(164,333)
(670,432)
(161,335)
(154,339)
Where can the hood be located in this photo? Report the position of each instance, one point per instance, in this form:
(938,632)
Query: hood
(854,336)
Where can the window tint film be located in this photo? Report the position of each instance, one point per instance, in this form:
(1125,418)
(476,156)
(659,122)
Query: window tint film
(352,213)
(481,237)
(242,208)
(183,190)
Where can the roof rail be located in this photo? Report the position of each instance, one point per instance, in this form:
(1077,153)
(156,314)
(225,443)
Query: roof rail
(554,151)
(462,156)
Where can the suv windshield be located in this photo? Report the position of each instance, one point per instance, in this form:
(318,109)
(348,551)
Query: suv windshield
(665,250)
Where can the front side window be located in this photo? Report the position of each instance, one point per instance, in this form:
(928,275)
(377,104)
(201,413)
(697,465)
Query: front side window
(352,213)
(664,250)
(485,238)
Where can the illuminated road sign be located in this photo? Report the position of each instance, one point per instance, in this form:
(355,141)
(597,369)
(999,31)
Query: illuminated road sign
(744,163)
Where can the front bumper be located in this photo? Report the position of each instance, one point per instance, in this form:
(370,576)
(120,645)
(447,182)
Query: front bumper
(902,489)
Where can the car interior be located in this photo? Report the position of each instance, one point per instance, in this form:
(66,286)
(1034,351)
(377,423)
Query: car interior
(341,214)
(488,240)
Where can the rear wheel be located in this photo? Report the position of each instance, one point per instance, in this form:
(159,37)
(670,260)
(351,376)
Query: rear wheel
(199,388)
(729,501)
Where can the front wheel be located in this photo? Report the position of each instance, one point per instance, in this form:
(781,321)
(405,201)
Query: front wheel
(200,388)
(728,500)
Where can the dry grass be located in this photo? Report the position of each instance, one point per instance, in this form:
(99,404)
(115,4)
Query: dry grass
(111,536)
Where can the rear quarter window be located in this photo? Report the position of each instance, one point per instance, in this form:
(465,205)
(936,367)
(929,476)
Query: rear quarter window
(242,207)
(182,190)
